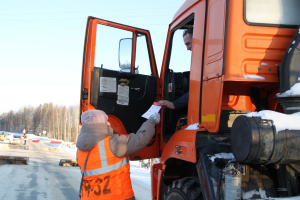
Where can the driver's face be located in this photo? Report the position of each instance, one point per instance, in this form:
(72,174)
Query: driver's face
(187,39)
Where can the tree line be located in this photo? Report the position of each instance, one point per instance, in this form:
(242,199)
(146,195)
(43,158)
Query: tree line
(53,121)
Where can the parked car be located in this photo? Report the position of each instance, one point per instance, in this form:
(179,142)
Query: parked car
(17,139)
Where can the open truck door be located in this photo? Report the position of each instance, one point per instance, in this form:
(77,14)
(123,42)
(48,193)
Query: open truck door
(119,76)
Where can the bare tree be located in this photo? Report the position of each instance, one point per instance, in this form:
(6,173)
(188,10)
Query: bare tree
(10,120)
(64,122)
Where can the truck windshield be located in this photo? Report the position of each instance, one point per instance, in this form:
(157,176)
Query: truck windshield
(272,12)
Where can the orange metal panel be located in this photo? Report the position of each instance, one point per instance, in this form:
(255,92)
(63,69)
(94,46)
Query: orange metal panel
(157,171)
(185,6)
(88,62)
(214,43)
(237,98)
(211,104)
(185,140)
(196,63)
(150,151)
(253,52)
(117,125)
(212,86)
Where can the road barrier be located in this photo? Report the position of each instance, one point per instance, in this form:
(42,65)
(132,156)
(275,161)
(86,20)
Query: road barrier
(56,142)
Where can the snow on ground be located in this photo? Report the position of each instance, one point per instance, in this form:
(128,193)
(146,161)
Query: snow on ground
(140,173)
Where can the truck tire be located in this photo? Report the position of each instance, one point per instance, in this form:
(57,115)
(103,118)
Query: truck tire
(184,189)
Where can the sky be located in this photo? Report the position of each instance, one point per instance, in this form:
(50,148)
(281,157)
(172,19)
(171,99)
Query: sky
(41,44)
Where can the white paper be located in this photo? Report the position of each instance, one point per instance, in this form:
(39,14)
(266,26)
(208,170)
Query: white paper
(123,95)
(152,110)
(123,100)
(123,91)
(108,84)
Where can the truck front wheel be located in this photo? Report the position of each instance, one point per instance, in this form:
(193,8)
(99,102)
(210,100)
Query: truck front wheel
(184,189)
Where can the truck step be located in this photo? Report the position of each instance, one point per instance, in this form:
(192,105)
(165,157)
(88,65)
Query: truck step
(14,160)
(68,163)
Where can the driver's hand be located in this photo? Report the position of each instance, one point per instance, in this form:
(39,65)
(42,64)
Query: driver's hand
(166,103)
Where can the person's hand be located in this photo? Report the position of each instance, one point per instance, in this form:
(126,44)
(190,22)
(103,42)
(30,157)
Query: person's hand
(166,103)
(155,118)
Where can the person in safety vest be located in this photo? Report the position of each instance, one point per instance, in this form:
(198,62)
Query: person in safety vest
(25,138)
(2,137)
(102,156)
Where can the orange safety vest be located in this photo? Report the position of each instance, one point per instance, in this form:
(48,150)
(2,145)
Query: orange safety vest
(106,176)
(1,137)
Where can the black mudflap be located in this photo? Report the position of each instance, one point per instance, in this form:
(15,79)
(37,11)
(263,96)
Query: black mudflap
(289,67)
(209,172)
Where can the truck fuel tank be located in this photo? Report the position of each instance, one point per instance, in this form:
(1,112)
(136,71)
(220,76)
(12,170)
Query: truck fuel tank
(256,141)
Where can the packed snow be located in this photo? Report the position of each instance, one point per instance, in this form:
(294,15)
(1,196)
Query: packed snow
(293,92)
(281,121)
(254,77)
(192,127)
(228,156)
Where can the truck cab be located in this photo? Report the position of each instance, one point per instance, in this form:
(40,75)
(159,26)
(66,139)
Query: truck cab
(238,62)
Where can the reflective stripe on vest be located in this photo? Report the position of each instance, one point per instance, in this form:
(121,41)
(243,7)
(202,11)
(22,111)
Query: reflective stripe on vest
(105,168)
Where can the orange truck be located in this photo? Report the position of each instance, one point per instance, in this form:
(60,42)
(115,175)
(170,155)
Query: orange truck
(244,53)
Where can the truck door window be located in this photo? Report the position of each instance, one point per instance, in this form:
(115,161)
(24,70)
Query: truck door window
(107,46)
(111,42)
(272,12)
(180,58)
(179,67)
(142,62)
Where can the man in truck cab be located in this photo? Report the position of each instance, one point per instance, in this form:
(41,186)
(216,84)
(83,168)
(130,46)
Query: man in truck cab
(188,38)
(184,99)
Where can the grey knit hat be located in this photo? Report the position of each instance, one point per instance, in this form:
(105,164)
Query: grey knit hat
(93,117)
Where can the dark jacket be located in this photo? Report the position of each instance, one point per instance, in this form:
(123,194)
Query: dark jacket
(182,101)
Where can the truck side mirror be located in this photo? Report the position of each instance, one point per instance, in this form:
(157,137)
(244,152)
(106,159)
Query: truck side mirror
(125,49)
